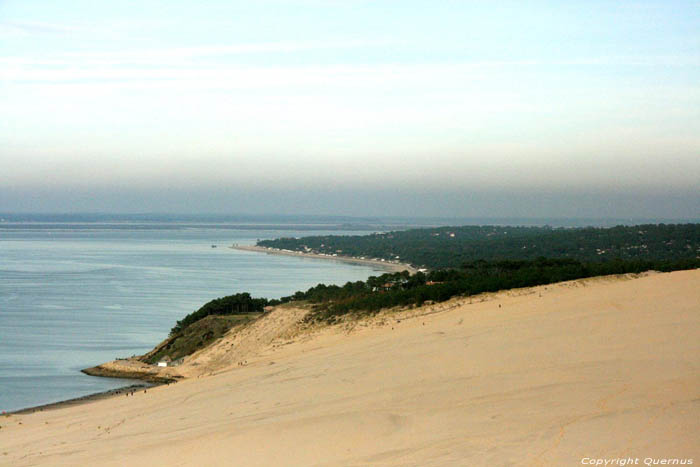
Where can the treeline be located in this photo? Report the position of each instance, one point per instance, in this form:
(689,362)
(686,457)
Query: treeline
(241,303)
(401,289)
(473,259)
(450,247)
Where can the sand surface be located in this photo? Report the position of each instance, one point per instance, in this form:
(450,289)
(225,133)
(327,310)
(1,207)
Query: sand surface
(384,265)
(599,368)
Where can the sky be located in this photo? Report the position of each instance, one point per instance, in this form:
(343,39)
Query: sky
(350,107)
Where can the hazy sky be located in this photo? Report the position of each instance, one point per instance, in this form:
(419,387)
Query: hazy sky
(450,108)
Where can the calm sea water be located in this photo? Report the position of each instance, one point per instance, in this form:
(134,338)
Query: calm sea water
(73,296)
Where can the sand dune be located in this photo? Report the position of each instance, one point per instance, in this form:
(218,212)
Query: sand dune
(598,368)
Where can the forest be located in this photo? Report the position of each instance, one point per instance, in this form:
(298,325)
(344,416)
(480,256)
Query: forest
(237,304)
(401,289)
(450,247)
(458,261)
(475,277)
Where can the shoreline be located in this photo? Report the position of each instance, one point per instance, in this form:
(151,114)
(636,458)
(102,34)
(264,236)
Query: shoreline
(526,370)
(386,265)
(148,380)
(96,396)
(154,379)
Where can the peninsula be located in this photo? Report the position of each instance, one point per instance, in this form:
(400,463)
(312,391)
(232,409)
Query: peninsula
(382,264)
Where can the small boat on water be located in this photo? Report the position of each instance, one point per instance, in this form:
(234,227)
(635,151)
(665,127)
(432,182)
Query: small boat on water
(213,246)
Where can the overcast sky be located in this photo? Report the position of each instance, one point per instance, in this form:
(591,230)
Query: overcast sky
(435,108)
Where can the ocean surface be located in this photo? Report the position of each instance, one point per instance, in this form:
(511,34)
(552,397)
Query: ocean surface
(73,295)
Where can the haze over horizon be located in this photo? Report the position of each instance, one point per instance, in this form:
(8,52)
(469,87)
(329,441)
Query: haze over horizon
(360,108)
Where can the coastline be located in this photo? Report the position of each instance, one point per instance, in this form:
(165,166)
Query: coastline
(96,396)
(153,376)
(149,380)
(525,370)
(386,265)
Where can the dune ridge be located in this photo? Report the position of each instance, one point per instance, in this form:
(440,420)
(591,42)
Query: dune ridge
(602,367)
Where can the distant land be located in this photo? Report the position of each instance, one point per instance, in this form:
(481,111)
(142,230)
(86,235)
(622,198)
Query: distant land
(330,222)
(505,322)
(452,246)
(459,261)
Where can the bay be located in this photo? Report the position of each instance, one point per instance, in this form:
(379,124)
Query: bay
(74,296)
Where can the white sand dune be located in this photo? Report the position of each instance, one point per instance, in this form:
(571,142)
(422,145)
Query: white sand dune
(599,368)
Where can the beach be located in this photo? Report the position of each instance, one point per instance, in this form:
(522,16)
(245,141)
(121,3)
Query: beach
(604,367)
(74,296)
(84,399)
(388,266)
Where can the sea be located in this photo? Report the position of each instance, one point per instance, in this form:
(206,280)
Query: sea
(79,292)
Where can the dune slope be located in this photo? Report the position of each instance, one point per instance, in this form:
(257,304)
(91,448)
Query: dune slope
(606,367)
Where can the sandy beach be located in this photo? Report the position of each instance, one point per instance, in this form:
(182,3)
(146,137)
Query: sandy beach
(139,386)
(599,368)
(384,265)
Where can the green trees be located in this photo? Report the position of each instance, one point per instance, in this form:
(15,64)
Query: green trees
(473,259)
(449,247)
(472,278)
(240,303)
(401,289)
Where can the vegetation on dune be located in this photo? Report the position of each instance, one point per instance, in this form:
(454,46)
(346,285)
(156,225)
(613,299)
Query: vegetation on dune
(400,289)
(450,247)
(464,261)
(196,336)
(207,324)
(240,303)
